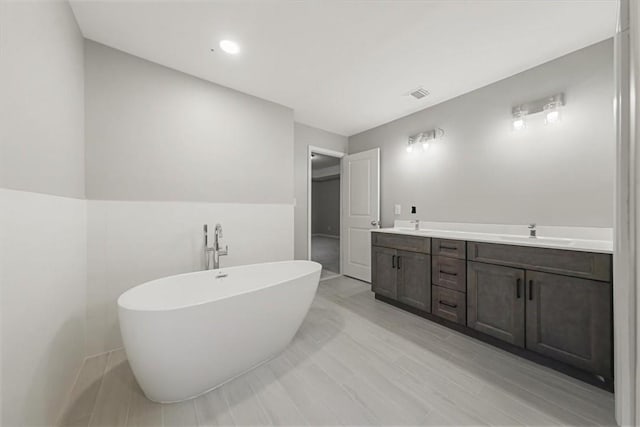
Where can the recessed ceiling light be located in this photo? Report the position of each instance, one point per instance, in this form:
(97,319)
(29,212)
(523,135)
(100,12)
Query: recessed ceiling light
(230,47)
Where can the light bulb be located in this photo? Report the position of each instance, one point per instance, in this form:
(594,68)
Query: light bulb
(518,123)
(425,146)
(409,148)
(552,113)
(552,117)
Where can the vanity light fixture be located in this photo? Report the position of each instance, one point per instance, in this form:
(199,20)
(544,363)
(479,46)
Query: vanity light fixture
(549,105)
(424,139)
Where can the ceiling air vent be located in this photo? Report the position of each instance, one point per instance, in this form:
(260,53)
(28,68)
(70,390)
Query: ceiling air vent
(419,93)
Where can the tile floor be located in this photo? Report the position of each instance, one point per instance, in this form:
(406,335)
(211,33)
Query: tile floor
(356,361)
(326,251)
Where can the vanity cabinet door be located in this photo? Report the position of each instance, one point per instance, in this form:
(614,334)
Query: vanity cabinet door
(414,279)
(495,301)
(569,319)
(384,271)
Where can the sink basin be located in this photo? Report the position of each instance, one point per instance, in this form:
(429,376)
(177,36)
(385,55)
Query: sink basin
(548,240)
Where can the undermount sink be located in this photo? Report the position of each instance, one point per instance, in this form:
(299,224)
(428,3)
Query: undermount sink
(548,240)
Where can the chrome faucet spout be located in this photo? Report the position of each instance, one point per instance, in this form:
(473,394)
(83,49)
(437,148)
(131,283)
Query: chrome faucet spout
(532,231)
(217,251)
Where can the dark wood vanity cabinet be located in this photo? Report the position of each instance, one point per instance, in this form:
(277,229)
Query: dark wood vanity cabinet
(553,306)
(561,316)
(449,304)
(449,273)
(569,319)
(414,285)
(403,275)
(384,275)
(495,303)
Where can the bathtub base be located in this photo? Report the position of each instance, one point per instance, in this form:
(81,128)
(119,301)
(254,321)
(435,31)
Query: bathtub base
(188,346)
(195,396)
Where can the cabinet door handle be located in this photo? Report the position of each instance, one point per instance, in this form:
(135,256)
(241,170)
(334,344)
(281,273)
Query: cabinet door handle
(393,261)
(399,262)
(448,304)
(447,273)
(530,290)
(518,288)
(450,248)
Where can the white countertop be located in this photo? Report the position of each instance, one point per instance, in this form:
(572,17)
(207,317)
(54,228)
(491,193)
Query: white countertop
(584,239)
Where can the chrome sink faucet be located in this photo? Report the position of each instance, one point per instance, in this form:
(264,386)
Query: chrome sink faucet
(532,231)
(416,224)
(217,252)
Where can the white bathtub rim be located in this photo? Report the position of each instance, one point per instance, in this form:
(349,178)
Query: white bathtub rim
(208,301)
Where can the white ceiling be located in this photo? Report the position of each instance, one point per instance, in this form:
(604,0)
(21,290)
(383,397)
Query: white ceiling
(345,66)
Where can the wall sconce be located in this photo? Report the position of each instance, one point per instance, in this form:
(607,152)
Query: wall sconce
(424,139)
(550,106)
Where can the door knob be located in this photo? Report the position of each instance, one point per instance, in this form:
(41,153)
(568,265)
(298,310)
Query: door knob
(375,223)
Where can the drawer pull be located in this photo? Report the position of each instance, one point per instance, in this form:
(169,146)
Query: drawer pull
(393,261)
(448,304)
(447,273)
(450,248)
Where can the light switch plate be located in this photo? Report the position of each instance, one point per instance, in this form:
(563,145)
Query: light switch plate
(398,209)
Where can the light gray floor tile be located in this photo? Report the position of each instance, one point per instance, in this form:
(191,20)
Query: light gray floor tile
(142,411)
(357,361)
(181,414)
(326,251)
(245,407)
(85,391)
(112,404)
(212,409)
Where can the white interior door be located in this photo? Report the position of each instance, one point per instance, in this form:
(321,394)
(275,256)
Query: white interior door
(361,211)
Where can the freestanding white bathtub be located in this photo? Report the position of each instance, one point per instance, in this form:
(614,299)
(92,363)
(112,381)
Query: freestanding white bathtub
(187,334)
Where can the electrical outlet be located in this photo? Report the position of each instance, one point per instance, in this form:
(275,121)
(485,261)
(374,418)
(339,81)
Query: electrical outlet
(398,209)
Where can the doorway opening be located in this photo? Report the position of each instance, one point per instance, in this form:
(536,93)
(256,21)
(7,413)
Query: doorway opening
(325,210)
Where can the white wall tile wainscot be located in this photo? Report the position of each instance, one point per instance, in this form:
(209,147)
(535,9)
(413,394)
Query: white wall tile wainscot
(134,242)
(42,276)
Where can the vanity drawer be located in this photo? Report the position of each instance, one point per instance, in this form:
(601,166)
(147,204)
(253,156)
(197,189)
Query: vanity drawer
(587,265)
(449,248)
(402,242)
(449,304)
(449,273)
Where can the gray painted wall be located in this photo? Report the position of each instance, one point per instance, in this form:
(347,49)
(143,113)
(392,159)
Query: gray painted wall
(42,103)
(153,133)
(482,171)
(325,214)
(304,137)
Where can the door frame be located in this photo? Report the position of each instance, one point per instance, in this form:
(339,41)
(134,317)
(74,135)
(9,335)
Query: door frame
(312,149)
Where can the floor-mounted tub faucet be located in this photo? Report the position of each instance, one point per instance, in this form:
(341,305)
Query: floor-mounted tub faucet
(532,231)
(217,252)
